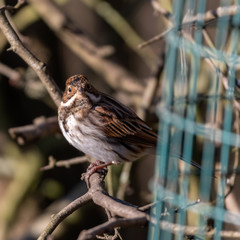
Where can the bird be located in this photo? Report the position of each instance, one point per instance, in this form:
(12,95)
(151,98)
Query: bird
(102,127)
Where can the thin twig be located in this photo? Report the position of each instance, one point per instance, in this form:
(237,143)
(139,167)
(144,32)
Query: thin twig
(63,163)
(147,207)
(138,221)
(111,224)
(220,12)
(156,38)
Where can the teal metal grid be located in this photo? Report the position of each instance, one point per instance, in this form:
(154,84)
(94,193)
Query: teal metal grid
(188,125)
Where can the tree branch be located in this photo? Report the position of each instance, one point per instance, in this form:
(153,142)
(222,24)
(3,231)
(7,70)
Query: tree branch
(65,212)
(97,194)
(39,67)
(131,215)
(64,163)
(40,128)
(110,225)
(114,205)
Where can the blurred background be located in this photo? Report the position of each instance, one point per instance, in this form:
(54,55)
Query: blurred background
(99,39)
(29,196)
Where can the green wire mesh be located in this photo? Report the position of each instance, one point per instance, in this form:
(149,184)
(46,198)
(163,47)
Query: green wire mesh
(198,120)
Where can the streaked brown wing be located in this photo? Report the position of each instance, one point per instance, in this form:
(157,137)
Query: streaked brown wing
(125,124)
(144,137)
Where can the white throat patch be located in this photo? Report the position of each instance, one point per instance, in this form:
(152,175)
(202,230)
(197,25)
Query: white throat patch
(69,102)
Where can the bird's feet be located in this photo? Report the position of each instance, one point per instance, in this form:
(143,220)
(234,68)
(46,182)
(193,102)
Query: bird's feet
(97,166)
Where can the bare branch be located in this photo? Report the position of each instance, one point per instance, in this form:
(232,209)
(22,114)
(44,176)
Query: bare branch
(116,206)
(131,215)
(40,128)
(64,163)
(226,11)
(123,209)
(65,212)
(101,198)
(156,38)
(110,225)
(39,67)
(140,221)
(147,207)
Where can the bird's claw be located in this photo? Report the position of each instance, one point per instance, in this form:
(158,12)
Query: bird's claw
(96,166)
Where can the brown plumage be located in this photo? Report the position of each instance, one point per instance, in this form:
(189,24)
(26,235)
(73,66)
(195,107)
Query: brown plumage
(100,126)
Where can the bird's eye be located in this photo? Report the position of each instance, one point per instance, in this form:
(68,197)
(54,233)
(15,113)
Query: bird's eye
(69,89)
